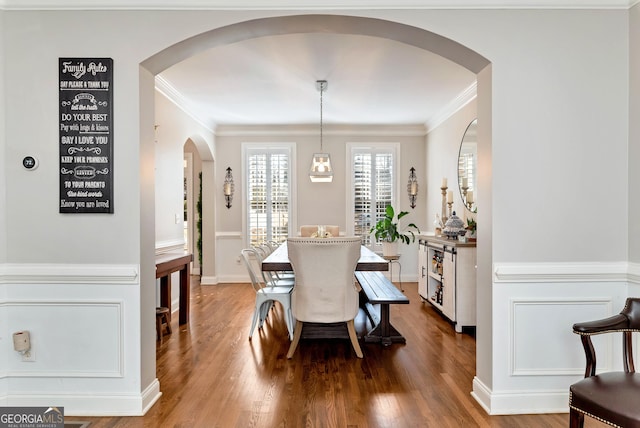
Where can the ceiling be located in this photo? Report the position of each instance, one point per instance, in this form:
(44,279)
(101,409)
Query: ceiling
(272,81)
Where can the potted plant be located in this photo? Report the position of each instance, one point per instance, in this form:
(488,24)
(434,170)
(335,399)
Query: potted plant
(388,232)
(472,226)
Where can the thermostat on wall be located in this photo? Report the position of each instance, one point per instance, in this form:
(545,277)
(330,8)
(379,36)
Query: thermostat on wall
(29,162)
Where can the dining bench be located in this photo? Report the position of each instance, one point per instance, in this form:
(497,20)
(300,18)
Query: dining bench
(378,292)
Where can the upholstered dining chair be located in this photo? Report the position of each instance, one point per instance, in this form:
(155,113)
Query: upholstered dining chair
(266,293)
(610,397)
(325,290)
(309,230)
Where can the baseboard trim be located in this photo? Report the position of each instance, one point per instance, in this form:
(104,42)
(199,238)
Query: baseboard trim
(208,280)
(482,394)
(520,402)
(88,405)
(150,395)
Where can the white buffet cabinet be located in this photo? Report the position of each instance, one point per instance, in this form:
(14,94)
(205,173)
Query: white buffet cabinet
(447,278)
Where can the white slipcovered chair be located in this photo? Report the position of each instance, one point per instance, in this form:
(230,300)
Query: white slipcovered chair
(266,293)
(325,290)
(309,230)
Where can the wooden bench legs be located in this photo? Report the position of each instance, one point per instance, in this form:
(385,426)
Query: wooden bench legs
(376,296)
(382,332)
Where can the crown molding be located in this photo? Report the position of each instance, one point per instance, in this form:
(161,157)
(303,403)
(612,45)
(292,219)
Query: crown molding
(309,4)
(464,98)
(312,130)
(173,95)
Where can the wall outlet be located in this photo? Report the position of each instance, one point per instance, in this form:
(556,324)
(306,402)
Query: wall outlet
(29,356)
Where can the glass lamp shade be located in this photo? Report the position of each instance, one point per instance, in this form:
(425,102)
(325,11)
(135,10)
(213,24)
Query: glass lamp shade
(321,171)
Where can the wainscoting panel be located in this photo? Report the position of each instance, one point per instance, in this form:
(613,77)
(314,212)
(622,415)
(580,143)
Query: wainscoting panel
(68,347)
(86,329)
(535,356)
(535,328)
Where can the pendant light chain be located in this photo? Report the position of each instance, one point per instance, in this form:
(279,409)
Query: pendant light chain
(321,91)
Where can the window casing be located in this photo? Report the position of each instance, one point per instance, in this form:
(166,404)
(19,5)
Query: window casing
(268,180)
(373,186)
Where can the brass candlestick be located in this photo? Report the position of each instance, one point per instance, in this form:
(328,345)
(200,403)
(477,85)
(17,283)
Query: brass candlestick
(444,204)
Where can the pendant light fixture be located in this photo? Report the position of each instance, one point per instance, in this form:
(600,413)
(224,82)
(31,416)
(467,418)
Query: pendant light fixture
(321,171)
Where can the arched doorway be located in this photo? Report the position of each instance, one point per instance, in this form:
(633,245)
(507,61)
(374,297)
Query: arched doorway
(197,157)
(414,36)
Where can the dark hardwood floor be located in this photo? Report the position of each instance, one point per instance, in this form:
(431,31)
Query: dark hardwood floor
(211,375)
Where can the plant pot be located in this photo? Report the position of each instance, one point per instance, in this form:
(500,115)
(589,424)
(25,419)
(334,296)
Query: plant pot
(390,248)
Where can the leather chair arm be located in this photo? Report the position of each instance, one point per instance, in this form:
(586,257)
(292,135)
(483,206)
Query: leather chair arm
(615,323)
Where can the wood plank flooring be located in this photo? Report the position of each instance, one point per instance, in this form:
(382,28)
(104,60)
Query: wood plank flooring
(211,375)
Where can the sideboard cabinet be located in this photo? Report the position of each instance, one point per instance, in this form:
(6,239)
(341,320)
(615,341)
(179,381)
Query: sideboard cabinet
(447,278)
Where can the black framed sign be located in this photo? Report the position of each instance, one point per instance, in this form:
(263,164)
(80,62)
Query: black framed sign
(86,135)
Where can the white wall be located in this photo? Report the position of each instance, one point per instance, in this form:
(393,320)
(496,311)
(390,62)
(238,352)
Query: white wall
(316,203)
(3,182)
(559,123)
(174,129)
(634,138)
(443,146)
(3,176)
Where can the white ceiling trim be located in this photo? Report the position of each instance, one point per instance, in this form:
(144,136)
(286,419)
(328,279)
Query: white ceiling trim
(173,95)
(450,109)
(309,4)
(306,130)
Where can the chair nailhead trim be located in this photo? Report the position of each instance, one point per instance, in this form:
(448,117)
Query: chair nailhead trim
(590,415)
(607,331)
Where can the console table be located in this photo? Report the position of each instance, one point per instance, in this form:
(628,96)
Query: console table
(166,264)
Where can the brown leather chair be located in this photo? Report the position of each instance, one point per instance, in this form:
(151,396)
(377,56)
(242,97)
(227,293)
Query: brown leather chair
(611,397)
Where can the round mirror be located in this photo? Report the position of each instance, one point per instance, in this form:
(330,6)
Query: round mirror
(467,164)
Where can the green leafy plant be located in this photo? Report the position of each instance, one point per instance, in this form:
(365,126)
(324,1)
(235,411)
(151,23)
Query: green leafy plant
(471,225)
(387,228)
(199,223)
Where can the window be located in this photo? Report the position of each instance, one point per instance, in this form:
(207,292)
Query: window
(373,171)
(268,172)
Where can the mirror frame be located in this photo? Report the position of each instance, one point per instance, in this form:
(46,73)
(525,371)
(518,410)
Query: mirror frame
(468,138)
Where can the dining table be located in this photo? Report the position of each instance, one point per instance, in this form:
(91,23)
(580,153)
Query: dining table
(278,260)
(376,294)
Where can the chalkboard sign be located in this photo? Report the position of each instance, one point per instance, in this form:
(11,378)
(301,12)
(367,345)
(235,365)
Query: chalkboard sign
(86,135)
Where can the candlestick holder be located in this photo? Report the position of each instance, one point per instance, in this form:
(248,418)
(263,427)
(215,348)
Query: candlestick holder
(464,192)
(470,206)
(444,204)
(450,207)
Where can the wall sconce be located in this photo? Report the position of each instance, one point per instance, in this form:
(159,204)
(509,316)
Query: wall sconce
(412,187)
(228,187)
